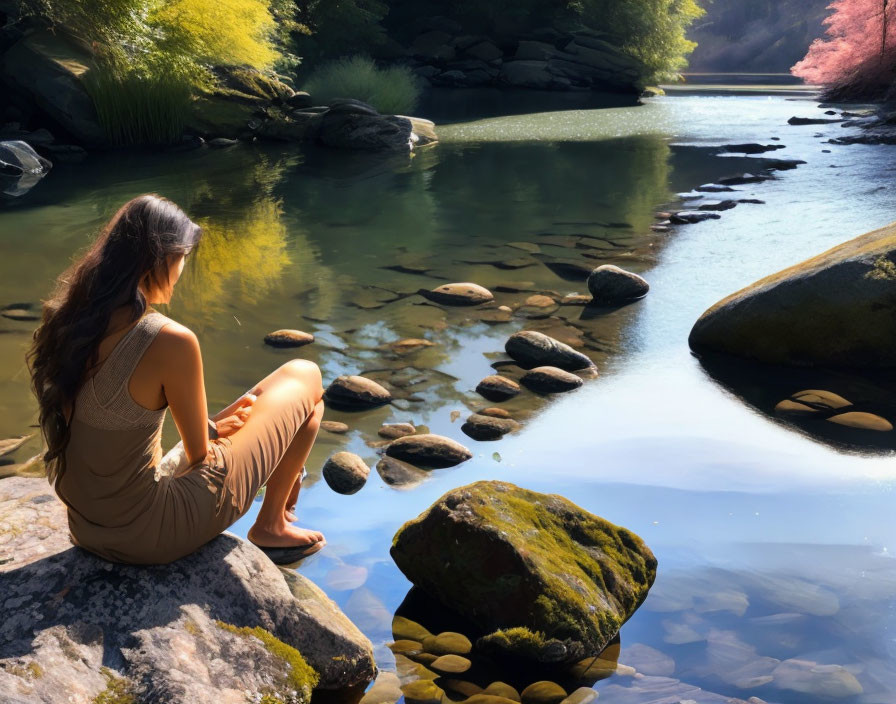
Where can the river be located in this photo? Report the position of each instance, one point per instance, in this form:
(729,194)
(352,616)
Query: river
(775,578)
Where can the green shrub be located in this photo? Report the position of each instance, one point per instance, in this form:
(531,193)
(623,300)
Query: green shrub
(392,90)
(135,109)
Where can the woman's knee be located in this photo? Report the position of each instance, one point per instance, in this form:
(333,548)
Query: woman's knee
(306,372)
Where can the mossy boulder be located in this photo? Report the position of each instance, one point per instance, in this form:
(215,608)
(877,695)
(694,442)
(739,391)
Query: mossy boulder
(534,566)
(837,309)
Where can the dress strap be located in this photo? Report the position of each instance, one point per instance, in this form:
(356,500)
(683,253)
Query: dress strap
(116,370)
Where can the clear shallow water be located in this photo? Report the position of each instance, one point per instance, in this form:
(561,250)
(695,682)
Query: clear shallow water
(772,546)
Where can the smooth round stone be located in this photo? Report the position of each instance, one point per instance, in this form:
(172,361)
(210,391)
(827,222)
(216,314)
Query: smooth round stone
(494,412)
(464,294)
(461,687)
(356,393)
(610,284)
(550,380)
(428,451)
(823,399)
(334,426)
(483,698)
(448,643)
(20,314)
(480,427)
(422,692)
(502,689)
(410,345)
(501,314)
(539,300)
(288,338)
(862,421)
(451,664)
(535,349)
(405,629)
(396,430)
(398,474)
(497,388)
(575,299)
(345,473)
(425,659)
(794,408)
(406,647)
(543,692)
(592,669)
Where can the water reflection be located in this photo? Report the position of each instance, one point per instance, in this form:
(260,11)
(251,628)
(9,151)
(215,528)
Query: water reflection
(847,409)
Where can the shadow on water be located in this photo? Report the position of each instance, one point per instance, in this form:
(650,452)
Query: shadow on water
(465,104)
(865,401)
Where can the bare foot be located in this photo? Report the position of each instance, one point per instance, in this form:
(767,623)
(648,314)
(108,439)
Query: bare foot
(287,536)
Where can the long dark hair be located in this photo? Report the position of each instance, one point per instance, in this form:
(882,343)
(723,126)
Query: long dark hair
(131,251)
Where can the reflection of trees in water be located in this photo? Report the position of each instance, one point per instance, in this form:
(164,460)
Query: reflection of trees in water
(248,244)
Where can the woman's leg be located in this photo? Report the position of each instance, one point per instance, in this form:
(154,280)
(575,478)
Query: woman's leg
(272,528)
(292,392)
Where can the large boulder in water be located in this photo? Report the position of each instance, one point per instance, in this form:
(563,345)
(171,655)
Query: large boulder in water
(837,309)
(221,624)
(351,124)
(528,566)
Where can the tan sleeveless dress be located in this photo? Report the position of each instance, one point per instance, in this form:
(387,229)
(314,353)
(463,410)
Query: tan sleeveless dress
(119,505)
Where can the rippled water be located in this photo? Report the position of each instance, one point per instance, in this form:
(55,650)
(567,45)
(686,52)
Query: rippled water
(775,579)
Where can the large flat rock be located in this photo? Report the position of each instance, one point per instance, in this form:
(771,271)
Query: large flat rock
(213,626)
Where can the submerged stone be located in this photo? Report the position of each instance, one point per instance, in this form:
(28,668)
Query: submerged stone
(396,430)
(550,380)
(497,388)
(543,692)
(356,393)
(529,349)
(428,451)
(334,426)
(862,421)
(288,338)
(465,294)
(399,474)
(482,427)
(512,558)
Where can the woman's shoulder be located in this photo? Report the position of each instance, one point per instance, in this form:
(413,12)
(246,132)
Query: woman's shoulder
(173,336)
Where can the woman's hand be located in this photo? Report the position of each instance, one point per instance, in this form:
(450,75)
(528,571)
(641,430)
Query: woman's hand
(231,423)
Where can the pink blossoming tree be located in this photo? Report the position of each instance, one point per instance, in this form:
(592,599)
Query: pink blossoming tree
(857,57)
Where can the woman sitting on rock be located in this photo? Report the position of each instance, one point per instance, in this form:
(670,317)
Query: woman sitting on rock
(105,368)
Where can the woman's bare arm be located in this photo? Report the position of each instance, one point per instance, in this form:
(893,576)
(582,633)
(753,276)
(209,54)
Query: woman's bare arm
(184,387)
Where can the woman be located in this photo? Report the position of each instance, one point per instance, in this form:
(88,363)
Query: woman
(105,368)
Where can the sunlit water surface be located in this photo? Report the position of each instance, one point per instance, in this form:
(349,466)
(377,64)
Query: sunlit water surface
(772,545)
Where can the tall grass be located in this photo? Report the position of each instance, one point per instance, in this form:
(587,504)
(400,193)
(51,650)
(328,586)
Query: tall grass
(392,90)
(138,109)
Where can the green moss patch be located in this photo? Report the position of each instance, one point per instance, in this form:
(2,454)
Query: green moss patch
(300,676)
(119,690)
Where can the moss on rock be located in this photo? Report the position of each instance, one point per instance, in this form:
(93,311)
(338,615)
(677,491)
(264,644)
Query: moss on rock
(300,677)
(534,566)
(119,690)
